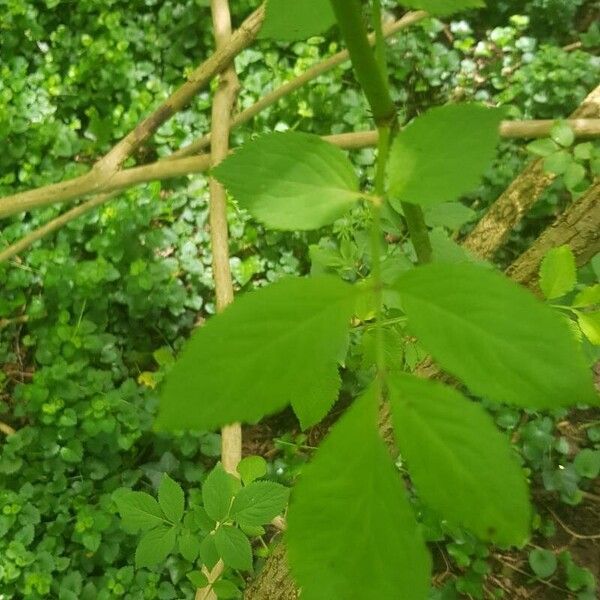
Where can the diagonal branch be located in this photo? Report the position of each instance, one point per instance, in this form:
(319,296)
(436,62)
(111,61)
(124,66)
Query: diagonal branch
(510,208)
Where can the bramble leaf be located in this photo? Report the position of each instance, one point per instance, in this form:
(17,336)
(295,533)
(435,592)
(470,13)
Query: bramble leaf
(442,154)
(233,547)
(291,180)
(155,546)
(495,336)
(287,21)
(171,499)
(558,274)
(461,465)
(272,347)
(351,531)
(589,323)
(258,503)
(189,545)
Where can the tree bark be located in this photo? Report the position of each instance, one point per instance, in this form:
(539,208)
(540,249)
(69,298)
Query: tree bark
(510,208)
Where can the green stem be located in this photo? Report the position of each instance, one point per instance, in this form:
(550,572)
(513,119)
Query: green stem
(419,234)
(383,148)
(350,20)
(379,39)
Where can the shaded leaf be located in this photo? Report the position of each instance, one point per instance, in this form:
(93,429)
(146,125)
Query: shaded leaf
(442,7)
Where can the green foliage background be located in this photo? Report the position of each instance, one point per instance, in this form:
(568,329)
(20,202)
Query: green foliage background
(90,317)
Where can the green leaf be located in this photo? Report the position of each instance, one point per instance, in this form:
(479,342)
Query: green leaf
(562,134)
(558,273)
(587,463)
(258,503)
(287,21)
(495,336)
(544,147)
(584,151)
(542,562)
(589,323)
(558,162)
(155,546)
(189,545)
(443,7)
(588,296)
(233,548)
(139,511)
(208,552)
(251,468)
(351,531)
(449,214)
(272,347)
(443,154)
(217,492)
(171,499)
(574,175)
(291,180)
(446,250)
(461,465)
(198,579)
(225,590)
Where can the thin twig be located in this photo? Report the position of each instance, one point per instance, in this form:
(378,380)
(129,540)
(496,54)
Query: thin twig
(579,536)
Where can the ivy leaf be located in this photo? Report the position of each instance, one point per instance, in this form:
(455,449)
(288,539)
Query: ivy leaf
(272,347)
(351,531)
(155,546)
(258,503)
(558,274)
(233,547)
(171,499)
(442,8)
(461,465)
(217,492)
(291,180)
(495,336)
(287,21)
(443,154)
(251,468)
(139,511)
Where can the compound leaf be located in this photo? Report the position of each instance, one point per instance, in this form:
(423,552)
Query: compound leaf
(351,531)
(461,465)
(272,347)
(442,154)
(495,336)
(218,490)
(291,180)
(139,511)
(287,21)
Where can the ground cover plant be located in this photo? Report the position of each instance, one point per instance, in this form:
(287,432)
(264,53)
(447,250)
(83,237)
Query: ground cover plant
(449,396)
